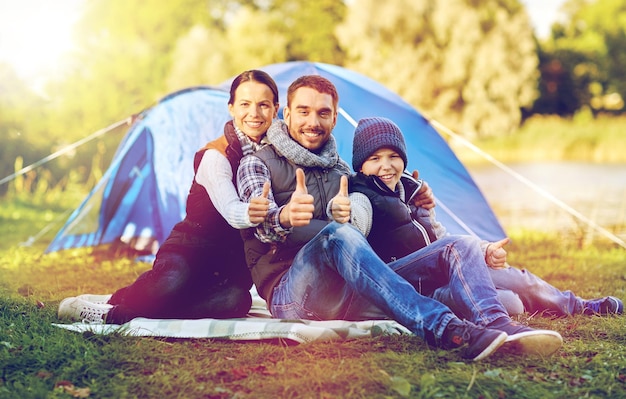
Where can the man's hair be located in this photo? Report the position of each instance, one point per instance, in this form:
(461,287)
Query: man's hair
(315,82)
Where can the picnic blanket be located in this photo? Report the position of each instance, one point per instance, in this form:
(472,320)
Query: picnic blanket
(259,325)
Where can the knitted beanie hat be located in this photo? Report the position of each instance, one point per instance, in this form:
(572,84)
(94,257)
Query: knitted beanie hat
(372,134)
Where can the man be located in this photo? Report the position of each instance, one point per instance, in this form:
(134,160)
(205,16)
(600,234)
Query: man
(306,267)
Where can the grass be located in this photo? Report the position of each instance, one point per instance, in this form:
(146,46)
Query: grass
(39,360)
(550,138)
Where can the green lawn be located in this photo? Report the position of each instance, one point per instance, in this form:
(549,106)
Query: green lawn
(39,360)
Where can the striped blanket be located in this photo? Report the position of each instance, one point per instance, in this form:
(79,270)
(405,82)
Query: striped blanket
(257,326)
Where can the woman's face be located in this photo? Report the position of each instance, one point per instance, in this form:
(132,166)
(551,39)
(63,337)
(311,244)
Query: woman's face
(385,163)
(253,109)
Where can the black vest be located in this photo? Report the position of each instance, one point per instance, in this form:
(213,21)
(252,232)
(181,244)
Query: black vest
(268,262)
(203,236)
(395,232)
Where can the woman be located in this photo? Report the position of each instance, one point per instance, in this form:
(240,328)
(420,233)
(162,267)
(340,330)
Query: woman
(200,271)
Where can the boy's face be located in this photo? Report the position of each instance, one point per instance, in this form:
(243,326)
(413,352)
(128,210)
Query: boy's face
(385,163)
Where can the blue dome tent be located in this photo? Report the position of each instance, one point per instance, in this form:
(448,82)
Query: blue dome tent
(143,192)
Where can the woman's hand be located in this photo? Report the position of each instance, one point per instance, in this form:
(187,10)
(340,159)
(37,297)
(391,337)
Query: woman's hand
(259,206)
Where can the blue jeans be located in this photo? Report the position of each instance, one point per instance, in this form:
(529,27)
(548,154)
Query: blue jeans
(521,291)
(337,275)
(536,294)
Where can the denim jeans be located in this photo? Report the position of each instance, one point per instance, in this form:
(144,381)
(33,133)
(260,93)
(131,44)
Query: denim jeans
(536,294)
(519,288)
(337,275)
(179,287)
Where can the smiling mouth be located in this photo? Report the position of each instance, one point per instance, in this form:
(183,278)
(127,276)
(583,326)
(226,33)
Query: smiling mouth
(254,125)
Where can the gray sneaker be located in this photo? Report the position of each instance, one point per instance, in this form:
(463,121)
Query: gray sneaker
(77,309)
(481,342)
(603,306)
(525,340)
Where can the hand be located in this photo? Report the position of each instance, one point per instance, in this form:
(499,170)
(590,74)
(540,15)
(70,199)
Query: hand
(495,255)
(424,197)
(340,205)
(299,210)
(257,210)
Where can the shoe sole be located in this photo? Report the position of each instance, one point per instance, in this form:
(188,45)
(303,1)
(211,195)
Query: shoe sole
(495,344)
(537,342)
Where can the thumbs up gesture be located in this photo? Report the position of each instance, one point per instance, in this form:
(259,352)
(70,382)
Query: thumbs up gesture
(299,210)
(259,206)
(495,255)
(340,204)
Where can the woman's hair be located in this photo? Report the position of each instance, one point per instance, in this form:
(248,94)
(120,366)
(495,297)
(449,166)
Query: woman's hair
(253,75)
(315,82)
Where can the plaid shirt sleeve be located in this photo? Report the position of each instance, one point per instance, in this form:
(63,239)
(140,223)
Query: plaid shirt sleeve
(251,176)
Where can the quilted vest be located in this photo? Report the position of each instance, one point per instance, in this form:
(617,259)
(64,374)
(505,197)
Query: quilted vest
(268,262)
(395,233)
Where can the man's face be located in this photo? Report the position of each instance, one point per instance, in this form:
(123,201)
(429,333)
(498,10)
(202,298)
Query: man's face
(310,118)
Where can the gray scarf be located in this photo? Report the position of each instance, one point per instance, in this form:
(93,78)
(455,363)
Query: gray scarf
(284,145)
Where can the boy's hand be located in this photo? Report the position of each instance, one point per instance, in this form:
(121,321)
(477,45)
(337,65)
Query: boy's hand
(257,210)
(495,255)
(299,210)
(424,197)
(340,204)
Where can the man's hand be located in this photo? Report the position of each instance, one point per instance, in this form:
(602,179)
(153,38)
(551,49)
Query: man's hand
(340,205)
(424,197)
(299,210)
(495,255)
(257,210)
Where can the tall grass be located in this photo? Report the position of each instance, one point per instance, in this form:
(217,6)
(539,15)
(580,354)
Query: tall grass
(551,138)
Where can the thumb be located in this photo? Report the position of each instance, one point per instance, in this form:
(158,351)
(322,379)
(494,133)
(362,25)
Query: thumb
(343,186)
(416,174)
(300,185)
(266,189)
(501,243)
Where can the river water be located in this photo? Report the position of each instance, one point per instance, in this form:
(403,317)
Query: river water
(544,195)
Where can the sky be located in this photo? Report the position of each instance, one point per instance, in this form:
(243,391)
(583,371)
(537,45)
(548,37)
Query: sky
(543,13)
(36,34)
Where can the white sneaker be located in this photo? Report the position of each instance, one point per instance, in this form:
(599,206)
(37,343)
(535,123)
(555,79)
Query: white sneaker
(94,298)
(77,309)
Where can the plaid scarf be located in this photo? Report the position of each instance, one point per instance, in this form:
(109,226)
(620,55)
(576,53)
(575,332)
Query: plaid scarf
(247,145)
(328,157)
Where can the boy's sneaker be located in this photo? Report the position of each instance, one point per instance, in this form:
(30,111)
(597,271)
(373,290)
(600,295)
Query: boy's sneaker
(481,342)
(523,339)
(94,298)
(603,306)
(77,309)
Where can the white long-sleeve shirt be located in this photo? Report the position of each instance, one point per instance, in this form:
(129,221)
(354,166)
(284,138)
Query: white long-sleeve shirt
(215,175)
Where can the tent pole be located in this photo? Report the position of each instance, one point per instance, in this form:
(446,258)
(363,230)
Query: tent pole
(64,150)
(530,184)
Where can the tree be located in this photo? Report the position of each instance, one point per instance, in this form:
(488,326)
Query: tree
(591,46)
(470,64)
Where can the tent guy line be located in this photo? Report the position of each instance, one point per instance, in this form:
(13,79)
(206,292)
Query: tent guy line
(64,150)
(530,184)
